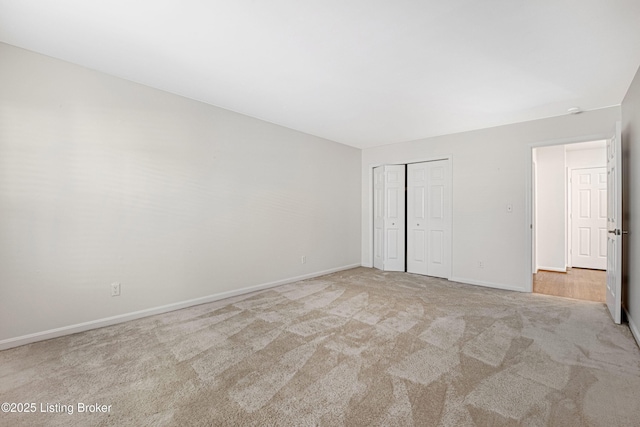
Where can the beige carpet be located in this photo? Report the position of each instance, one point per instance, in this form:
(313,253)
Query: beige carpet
(359,347)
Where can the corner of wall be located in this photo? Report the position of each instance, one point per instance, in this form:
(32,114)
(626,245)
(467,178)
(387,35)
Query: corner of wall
(635,331)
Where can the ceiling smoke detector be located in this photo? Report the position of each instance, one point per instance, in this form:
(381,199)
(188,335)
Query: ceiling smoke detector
(574,110)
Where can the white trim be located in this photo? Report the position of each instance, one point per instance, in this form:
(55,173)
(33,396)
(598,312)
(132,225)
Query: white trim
(574,140)
(634,329)
(528,219)
(555,269)
(529,195)
(487,284)
(568,199)
(108,321)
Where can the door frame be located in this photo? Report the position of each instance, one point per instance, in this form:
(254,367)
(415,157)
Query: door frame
(569,219)
(529,202)
(406,162)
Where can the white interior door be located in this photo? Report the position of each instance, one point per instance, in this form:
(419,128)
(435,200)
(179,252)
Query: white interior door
(589,218)
(389,217)
(394,218)
(439,215)
(417,218)
(614,225)
(429,218)
(378,217)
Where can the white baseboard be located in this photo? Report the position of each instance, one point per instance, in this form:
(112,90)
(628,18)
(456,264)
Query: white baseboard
(555,269)
(108,321)
(487,284)
(634,328)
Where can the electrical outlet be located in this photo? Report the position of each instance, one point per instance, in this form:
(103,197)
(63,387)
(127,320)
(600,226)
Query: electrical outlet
(509,207)
(115,289)
(480,264)
(303,259)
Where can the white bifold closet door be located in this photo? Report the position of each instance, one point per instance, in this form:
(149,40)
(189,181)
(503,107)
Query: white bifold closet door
(429,218)
(389,217)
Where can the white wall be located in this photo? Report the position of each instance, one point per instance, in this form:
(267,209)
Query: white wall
(631,203)
(591,158)
(491,167)
(551,198)
(105,180)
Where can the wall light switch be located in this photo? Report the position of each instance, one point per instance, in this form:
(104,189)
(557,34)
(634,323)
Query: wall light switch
(509,207)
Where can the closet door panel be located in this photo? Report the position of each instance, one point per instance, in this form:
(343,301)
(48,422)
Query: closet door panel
(439,220)
(394,221)
(417,240)
(429,218)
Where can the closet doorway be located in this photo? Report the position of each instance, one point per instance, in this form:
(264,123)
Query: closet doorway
(412,218)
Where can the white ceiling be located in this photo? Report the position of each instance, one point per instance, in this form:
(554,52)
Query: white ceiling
(360,72)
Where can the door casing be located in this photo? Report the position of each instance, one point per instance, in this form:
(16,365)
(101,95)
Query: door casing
(529,202)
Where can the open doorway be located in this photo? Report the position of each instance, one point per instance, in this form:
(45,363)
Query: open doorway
(569,220)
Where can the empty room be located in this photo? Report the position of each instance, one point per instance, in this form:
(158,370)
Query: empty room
(328,213)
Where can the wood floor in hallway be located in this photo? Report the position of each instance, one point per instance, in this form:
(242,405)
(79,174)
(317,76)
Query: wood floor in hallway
(577,283)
